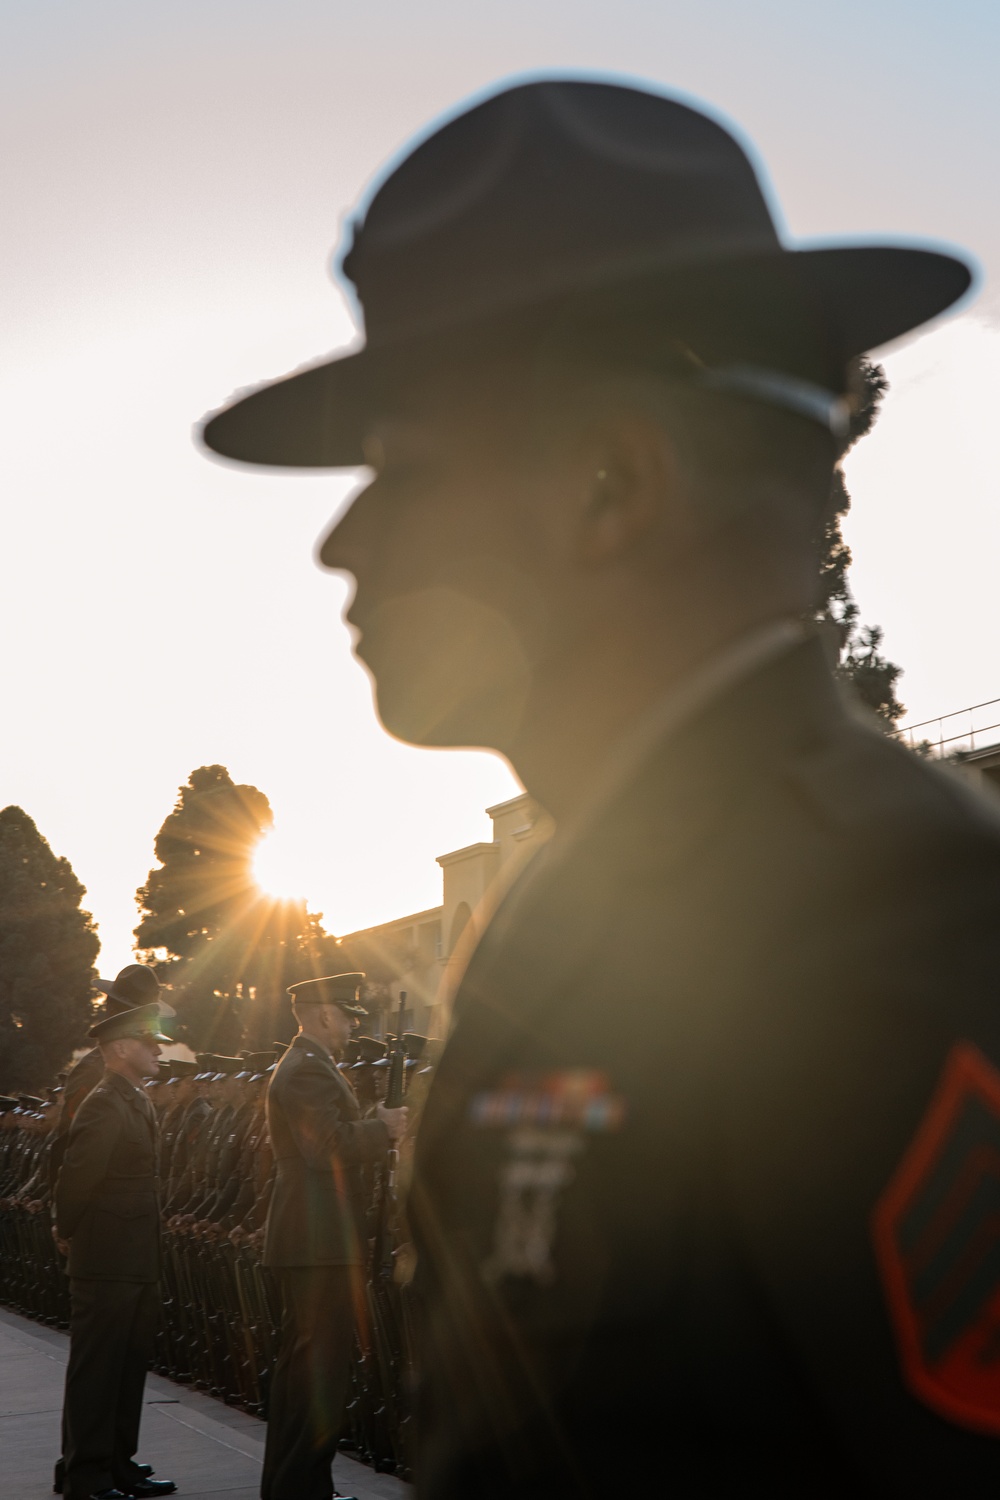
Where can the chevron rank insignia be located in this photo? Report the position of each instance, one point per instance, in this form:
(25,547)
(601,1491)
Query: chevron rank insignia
(936,1231)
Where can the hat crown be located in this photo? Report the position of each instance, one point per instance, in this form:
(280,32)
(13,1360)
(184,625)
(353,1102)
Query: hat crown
(138,983)
(572,178)
(330,989)
(132,986)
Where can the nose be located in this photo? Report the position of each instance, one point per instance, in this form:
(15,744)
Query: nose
(339,549)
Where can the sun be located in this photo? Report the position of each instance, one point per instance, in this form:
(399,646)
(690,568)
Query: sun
(277,869)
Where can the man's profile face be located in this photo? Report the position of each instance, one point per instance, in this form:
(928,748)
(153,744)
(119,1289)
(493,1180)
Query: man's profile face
(142,1054)
(339,1025)
(448,548)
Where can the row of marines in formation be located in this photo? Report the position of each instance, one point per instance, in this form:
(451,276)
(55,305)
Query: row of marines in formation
(220,1314)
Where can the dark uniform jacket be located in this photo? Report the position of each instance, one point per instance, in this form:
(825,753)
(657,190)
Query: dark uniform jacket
(105,1195)
(320,1145)
(707,1185)
(82,1077)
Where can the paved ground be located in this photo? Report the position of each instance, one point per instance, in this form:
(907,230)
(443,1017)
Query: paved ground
(206,1447)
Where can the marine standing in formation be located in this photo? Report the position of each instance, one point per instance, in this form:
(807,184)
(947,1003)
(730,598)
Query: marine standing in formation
(133,986)
(315,1239)
(107,1222)
(704,1157)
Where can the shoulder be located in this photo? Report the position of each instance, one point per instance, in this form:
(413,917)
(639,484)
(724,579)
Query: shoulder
(861,778)
(307,1056)
(102,1103)
(300,1066)
(90,1065)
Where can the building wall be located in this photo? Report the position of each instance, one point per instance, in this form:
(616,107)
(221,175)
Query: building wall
(412,953)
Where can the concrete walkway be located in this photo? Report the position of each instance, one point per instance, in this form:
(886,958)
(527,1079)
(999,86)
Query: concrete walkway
(205,1447)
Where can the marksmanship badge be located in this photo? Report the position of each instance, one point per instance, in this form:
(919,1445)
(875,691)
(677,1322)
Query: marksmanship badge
(548,1118)
(936,1231)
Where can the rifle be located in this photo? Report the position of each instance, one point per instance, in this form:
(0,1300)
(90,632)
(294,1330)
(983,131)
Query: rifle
(395,1089)
(386,1359)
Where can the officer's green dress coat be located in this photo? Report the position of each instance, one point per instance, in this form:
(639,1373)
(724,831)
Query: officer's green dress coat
(752,968)
(105,1203)
(320,1145)
(314,1243)
(105,1197)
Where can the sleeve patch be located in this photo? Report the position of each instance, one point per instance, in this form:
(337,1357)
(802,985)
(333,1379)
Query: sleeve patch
(936,1231)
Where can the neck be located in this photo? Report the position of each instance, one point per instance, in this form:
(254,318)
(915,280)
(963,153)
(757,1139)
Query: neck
(124,1070)
(321,1038)
(577,718)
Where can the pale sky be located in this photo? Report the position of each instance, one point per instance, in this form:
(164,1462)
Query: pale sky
(174,177)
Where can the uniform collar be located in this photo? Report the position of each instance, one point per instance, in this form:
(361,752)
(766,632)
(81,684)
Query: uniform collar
(128,1090)
(310,1044)
(663,721)
(137,1097)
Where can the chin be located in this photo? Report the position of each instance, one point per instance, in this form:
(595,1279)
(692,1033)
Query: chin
(448,671)
(471,715)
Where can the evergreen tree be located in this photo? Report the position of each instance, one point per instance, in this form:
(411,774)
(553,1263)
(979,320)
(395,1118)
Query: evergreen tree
(227,949)
(860,660)
(48,947)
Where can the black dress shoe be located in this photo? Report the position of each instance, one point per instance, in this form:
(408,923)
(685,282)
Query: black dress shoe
(143,1487)
(59,1479)
(109,1495)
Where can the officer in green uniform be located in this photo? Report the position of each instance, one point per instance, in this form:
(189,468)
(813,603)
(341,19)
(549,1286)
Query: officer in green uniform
(134,986)
(315,1237)
(107,1222)
(706,1178)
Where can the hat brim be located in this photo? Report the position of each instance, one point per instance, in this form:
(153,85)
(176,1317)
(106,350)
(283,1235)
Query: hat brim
(864,296)
(131,1036)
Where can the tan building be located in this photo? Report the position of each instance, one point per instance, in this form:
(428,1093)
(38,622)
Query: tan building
(986,763)
(412,953)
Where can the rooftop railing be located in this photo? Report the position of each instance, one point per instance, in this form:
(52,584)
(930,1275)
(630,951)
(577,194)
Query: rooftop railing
(963,730)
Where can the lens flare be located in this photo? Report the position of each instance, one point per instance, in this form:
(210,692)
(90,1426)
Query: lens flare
(277,868)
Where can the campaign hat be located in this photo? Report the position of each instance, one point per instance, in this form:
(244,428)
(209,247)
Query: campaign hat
(182,1067)
(141,1021)
(132,986)
(370,1050)
(258,1062)
(225,1066)
(560,201)
(333,989)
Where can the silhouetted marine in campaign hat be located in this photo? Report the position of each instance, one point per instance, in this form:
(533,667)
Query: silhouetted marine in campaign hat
(334,989)
(578,202)
(134,985)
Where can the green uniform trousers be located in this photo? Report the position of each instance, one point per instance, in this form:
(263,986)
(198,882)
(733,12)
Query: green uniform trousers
(112,1330)
(311,1379)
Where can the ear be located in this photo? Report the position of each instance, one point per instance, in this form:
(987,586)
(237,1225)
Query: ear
(631,488)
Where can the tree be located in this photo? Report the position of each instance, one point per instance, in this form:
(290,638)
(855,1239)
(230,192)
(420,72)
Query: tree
(48,947)
(227,950)
(860,660)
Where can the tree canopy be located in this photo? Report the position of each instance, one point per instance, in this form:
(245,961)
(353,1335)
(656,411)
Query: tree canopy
(48,946)
(226,948)
(860,660)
